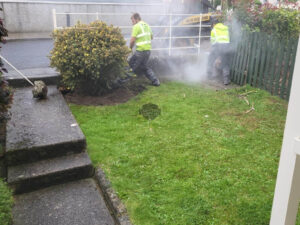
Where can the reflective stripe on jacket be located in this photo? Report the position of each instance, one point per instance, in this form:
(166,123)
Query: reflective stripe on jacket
(219,34)
(143,34)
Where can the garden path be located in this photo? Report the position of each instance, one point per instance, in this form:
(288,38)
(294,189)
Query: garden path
(48,168)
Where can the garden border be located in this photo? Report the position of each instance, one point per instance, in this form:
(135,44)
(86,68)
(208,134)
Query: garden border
(115,205)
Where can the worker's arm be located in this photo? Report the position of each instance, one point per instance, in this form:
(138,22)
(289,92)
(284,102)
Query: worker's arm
(151,33)
(213,36)
(132,41)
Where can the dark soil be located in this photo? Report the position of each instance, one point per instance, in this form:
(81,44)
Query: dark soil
(116,96)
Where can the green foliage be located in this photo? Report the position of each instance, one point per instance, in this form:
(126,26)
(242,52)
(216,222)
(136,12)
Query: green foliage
(6,203)
(204,160)
(89,57)
(5,91)
(282,22)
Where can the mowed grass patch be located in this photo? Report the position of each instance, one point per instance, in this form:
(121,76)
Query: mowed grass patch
(205,160)
(6,204)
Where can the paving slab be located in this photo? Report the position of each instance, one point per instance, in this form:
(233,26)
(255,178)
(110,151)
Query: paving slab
(40,129)
(31,72)
(74,203)
(46,74)
(32,176)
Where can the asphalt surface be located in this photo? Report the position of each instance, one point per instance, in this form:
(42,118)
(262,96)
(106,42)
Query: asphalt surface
(27,54)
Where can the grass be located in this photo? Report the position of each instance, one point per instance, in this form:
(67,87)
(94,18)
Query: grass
(204,160)
(6,202)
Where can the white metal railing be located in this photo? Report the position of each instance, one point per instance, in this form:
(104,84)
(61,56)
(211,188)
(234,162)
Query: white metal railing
(169,27)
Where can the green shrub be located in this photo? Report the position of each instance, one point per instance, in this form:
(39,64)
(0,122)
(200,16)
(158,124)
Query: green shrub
(89,57)
(282,22)
(6,202)
(5,92)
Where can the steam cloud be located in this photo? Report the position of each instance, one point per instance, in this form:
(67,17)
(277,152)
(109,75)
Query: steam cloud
(183,65)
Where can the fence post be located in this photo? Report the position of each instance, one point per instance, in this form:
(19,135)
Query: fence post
(170,35)
(287,191)
(54,19)
(68,20)
(200,27)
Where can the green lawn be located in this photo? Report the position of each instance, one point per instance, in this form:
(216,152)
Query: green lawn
(6,202)
(204,160)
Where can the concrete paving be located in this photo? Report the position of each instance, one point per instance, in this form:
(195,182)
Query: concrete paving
(31,57)
(45,146)
(44,173)
(48,75)
(75,203)
(41,128)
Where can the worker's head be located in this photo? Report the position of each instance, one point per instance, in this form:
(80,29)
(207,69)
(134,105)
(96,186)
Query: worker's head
(135,18)
(214,21)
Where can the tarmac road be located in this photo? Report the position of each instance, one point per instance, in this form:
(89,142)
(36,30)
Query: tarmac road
(27,54)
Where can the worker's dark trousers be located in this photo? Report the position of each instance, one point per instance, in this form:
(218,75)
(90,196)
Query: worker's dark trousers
(139,64)
(220,50)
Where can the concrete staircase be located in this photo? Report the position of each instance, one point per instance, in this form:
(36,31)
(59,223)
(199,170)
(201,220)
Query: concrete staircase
(47,74)
(44,144)
(47,164)
(32,176)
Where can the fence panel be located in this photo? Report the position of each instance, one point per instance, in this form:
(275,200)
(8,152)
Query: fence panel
(265,62)
(291,68)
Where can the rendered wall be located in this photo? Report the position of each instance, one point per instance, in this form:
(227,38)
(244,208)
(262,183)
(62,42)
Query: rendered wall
(26,17)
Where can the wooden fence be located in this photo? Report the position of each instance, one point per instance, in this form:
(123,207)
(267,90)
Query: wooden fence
(265,62)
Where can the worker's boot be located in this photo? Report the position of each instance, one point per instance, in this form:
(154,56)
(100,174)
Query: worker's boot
(156,82)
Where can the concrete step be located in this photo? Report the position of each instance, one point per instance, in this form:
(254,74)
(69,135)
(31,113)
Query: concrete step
(74,203)
(41,129)
(48,75)
(32,176)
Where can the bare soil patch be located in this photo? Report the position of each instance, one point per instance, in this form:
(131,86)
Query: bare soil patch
(129,90)
(117,96)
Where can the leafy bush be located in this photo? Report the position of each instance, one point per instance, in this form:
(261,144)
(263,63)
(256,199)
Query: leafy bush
(6,202)
(5,92)
(89,57)
(283,21)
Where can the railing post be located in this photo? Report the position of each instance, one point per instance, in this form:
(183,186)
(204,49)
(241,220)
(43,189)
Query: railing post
(68,20)
(200,27)
(170,35)
(54,19)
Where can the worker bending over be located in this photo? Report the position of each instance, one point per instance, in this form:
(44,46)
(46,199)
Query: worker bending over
(141,36)
(219,58)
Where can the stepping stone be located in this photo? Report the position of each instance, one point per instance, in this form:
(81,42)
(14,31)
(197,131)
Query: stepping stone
(40,129)
(74,203)
(31,176)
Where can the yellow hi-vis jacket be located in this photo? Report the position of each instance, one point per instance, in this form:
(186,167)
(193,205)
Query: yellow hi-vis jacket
(143,34)
(219,34)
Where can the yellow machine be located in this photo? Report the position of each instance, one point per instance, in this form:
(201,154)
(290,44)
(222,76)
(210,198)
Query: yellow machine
(194,7)
(196,19)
